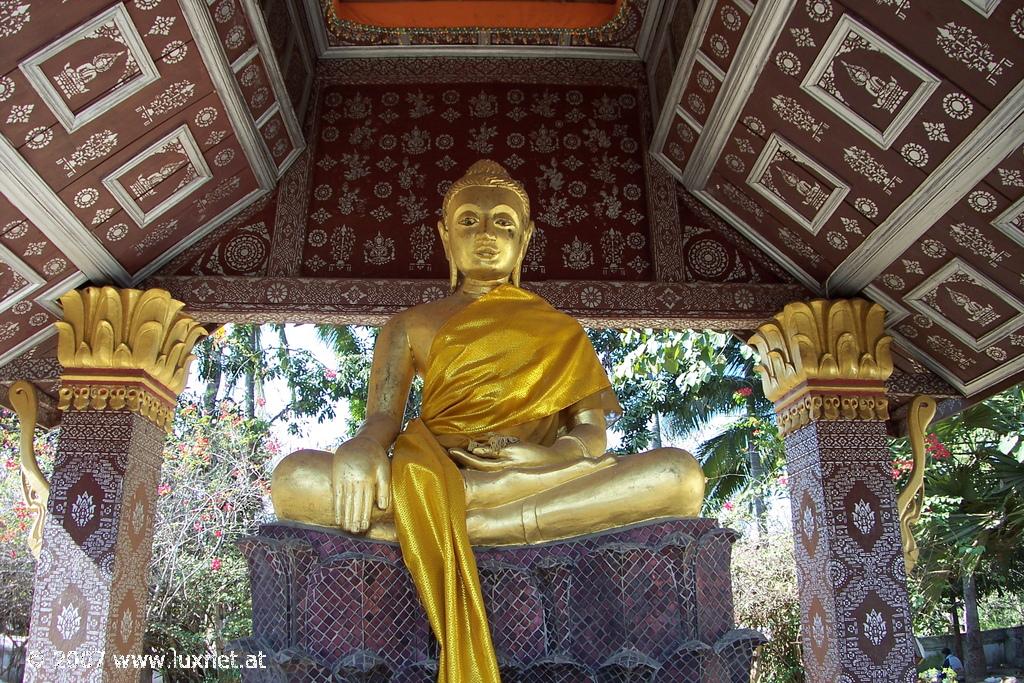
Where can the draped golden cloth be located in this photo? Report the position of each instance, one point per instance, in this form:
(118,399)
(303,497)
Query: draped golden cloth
(507,360)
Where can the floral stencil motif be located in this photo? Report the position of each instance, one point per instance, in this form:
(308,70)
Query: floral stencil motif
(875,628)
(69,621)
(863,517)
(963,45)
(540,133)
(83,509)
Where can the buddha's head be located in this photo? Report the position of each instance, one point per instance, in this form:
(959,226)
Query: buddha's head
(485,225)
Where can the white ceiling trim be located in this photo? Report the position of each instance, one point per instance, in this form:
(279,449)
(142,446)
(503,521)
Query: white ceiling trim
(765,27)
(197,16)
(896,313)
(298,34)
(183,136)
(72,121)
(658,14)
(48,299)
(965,167)
(18,349)
(910,107)
(1004,222)
(991,378)
(805,278)
(687,57)
(43,208)
(317,27)
(618,54)
(777,143)
(273,70)
(915,299)
(224,216)
(32,279)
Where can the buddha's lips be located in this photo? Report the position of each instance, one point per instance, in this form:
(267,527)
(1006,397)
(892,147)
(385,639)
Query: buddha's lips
(486,251)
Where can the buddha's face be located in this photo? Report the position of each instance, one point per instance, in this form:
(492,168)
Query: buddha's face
(485,232)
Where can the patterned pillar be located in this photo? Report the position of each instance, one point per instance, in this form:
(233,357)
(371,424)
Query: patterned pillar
(125,355)
(824,364)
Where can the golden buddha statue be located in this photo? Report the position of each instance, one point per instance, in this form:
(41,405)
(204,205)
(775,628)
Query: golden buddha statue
(510,444)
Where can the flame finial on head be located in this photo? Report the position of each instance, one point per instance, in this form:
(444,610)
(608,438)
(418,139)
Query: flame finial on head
(487,173)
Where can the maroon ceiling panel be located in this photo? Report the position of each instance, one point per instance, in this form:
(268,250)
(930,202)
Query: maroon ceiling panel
(980,55)
(240,247)
(700,93)
(715,252)
(722,37)
(136,247)
(682,138)
(386,154)
(30,246)
(232,27)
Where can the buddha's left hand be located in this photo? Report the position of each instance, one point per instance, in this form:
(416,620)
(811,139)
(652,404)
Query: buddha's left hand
(518,455)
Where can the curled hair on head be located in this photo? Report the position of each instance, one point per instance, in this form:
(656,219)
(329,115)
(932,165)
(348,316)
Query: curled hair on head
(487,173)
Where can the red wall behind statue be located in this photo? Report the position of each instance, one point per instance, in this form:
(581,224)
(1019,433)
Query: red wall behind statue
(385,154)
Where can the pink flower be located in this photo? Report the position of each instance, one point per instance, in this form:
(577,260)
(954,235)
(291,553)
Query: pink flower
(783,480)
(744,391)
(163,489)
(261,401)
(215,564)
(10,464)
(331,374)
(728,506)
(218,533)
(936,448)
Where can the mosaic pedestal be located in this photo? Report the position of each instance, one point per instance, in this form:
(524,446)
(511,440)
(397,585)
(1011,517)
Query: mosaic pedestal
(648,603)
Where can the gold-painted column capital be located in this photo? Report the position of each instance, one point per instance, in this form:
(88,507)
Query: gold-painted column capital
(125,349)
(825,359)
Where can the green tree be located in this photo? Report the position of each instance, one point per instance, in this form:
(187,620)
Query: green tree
(213,490)
(17,566)
(970,532)
(677,384)
(245,359)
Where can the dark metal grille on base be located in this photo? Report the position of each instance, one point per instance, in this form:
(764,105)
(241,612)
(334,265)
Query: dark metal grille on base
(651,603)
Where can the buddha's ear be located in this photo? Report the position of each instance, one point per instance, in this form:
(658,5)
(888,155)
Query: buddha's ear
(518,271)
(453,271)
(442,230)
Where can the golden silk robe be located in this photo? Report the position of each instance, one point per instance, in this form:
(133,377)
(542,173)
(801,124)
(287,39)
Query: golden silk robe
(508,363)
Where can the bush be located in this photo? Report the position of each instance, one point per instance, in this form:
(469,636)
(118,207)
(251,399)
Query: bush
(765,594)
(213,490)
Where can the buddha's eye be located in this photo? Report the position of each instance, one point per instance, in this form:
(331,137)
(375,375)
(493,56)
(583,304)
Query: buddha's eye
(468,221)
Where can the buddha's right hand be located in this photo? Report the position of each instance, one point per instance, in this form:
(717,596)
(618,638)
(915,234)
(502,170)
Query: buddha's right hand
(361,477)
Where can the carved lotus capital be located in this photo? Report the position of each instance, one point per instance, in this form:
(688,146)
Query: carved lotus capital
(824,346)
(124,349)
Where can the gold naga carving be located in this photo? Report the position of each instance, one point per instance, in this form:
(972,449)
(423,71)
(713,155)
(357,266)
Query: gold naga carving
(825,360)
(35,489)
(922,411)
(124,349)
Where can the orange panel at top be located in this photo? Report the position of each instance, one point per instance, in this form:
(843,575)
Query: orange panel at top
(484,14)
